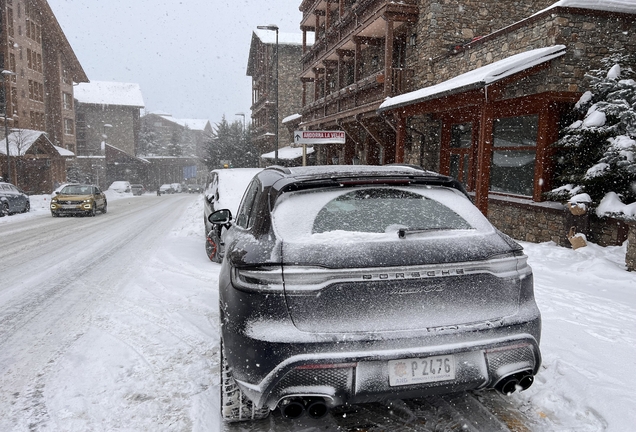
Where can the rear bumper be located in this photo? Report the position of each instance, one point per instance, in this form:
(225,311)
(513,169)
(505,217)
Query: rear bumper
(272,364)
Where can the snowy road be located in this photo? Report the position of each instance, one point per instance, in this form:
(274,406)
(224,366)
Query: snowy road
(94,330)
(110,324)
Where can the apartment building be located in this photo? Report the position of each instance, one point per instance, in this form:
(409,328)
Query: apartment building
(40,69)
(276,90)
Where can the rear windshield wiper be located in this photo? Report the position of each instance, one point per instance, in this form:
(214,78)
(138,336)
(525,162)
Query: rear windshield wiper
(402,232)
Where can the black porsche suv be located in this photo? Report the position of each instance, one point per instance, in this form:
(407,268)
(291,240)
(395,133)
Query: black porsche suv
(353,284)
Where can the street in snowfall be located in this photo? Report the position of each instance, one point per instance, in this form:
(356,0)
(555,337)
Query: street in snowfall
(109,323)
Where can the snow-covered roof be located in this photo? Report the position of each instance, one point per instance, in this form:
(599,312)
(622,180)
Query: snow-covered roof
(109,93)
(621,6)
(477,78)
(287,153)
(21,140)
(192,124)
(269,37)
(64,152)
(291,118)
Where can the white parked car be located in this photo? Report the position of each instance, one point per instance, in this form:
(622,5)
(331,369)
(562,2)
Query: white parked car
(177,187)
(120,186)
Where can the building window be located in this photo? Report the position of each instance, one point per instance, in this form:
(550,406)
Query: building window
(67,101)
(14,100)
(68,126)
(10,30)
(514,155)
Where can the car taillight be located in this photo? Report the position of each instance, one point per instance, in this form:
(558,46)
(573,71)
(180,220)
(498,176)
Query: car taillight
(258,279)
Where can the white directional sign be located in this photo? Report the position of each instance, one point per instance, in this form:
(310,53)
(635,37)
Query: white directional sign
(319,137)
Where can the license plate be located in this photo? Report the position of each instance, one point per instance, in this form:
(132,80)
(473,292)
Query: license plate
(421,370)
(69,206)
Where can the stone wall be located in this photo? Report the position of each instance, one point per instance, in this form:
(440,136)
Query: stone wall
(589,37)
(630,258)
(290,88)
(444,24)
(532,222)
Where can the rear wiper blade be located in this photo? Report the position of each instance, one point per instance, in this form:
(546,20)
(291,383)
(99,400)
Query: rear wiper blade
(402,232)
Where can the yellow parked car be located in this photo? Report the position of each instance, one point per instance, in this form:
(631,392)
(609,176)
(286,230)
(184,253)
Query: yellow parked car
(78,199)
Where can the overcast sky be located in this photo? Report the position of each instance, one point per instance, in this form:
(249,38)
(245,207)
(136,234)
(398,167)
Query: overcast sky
(188,56)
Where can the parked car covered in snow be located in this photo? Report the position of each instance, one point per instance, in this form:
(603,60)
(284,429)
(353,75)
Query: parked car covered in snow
(13,200)
(224,191)
(120,186)
(351,284)
(137,189)
(166,189)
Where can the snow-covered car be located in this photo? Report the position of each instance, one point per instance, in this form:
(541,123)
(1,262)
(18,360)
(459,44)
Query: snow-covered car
(353,284)
(166,189)
(224,191)
(137,189)
(176,187)
(120,186)
(83,199)
(13,200)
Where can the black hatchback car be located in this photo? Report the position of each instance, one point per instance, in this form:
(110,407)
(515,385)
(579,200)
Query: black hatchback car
(353,284)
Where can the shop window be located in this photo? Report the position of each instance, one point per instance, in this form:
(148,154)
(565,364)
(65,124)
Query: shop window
(514,155)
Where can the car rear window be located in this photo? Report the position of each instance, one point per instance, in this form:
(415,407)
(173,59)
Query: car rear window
(374,213)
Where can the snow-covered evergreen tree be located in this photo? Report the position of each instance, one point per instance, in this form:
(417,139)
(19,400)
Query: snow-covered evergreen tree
(148,141)
(596,154)
(232,144)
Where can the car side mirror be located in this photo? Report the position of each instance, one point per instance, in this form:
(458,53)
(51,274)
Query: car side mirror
(220,217)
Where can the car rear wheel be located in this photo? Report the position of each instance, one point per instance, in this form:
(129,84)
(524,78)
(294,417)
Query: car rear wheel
(235,406)
(4,209)
(27,207)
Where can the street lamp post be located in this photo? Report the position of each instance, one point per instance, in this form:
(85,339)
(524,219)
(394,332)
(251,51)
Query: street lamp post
(274,27)
(5,73)
(242,115)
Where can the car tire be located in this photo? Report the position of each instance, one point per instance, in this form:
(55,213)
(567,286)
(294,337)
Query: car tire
(55,214)
(4,209)
(235,406)
(93,212)
(105,208)
(27,207)
(212,245)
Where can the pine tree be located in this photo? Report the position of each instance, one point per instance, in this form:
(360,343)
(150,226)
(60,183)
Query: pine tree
(230,145)
(596,154)
(148,141)
(174,146)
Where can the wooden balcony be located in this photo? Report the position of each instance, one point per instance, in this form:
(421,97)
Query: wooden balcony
(366,94)
(364,18)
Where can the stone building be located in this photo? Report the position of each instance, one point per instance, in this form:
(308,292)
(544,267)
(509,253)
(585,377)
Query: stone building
(175,147)
(108,114)
(39,90)
(263,68)
(476,90)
